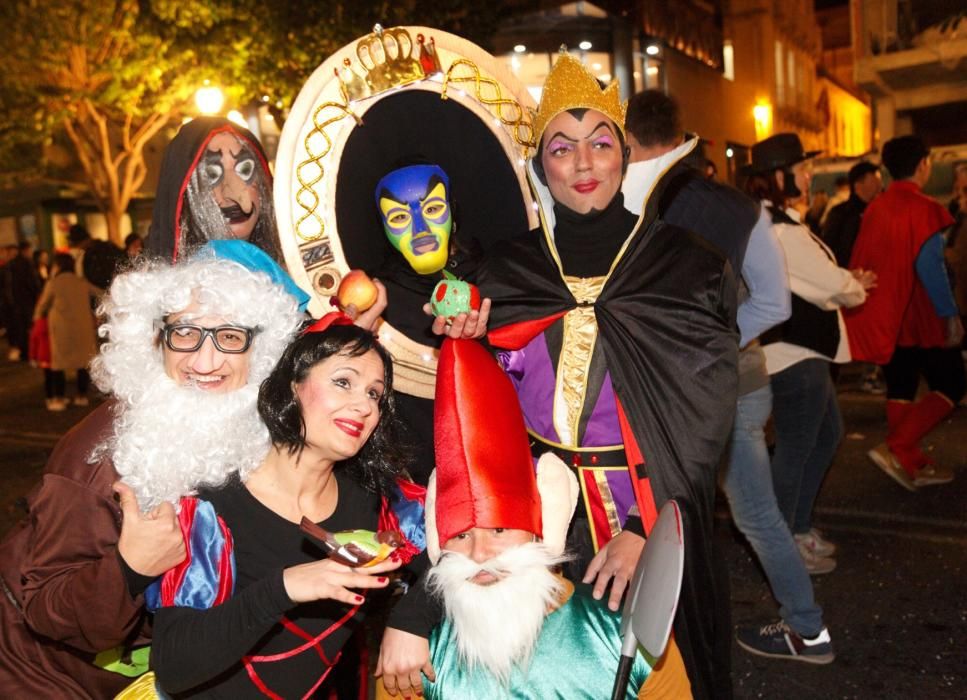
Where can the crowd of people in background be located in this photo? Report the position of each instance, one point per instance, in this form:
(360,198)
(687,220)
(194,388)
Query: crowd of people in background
(783,284)
(48,303)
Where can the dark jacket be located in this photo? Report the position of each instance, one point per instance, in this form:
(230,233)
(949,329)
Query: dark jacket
(720,214)
(809,326)
(842,227)
(21,284)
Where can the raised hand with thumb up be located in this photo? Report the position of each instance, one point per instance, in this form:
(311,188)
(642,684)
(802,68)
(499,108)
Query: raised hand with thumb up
(150,543)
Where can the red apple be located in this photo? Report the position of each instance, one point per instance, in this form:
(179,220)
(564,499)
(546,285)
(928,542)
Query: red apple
(357,289)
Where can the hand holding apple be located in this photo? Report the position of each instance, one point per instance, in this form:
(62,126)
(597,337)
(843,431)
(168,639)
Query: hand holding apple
(358,290)
(452,297)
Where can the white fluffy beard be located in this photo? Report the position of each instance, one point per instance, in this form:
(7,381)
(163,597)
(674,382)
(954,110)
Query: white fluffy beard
(173,439)
(479,613)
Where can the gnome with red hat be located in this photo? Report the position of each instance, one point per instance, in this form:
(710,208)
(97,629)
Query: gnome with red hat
(496,533)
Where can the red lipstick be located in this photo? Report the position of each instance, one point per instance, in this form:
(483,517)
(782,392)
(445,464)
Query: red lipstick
(350,427)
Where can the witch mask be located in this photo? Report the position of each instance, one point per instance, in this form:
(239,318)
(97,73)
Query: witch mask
(225,186)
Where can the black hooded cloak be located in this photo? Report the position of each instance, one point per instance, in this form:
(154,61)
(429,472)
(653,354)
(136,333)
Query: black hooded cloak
(166,239)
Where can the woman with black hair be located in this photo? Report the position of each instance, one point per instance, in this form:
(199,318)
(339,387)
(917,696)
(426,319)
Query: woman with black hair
(329,409)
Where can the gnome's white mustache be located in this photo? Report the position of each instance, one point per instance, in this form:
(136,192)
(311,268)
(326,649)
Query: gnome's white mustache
(504,564)
(495,567)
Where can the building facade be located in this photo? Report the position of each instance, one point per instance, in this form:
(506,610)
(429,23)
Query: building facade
(740,69)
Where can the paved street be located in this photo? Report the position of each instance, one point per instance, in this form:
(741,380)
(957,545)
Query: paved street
(896,604)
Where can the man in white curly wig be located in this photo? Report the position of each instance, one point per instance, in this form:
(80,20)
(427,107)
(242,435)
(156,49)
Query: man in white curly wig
(187,415)
(187,347)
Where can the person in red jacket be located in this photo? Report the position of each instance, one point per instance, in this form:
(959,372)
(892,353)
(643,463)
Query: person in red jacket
(910,323)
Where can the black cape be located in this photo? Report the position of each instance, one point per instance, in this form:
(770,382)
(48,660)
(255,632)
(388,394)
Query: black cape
(666,318)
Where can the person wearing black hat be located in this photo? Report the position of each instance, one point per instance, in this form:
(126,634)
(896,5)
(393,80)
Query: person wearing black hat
(798,352)
(912,325)
(780,152)
(764,302)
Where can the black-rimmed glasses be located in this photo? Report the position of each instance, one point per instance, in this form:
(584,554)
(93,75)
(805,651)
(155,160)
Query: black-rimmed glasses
(187,337)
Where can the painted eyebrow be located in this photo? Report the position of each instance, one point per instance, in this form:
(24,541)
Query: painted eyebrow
(386,194)
(433,182)
(345,368)
(605,124)
(240,154)
(562,135)
(212,157)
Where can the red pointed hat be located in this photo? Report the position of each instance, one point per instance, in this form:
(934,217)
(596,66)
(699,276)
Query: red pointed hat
(485,472)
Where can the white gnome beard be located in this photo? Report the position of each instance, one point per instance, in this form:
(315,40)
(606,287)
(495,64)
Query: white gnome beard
(173,439)
(486,634)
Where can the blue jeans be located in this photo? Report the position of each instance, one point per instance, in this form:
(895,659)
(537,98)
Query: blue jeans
(808,426)
(747,482)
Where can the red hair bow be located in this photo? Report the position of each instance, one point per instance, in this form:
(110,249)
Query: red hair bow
(333,318)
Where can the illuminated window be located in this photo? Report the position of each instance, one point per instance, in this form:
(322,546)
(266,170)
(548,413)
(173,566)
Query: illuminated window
(728,61)
(531,68)
(780,75)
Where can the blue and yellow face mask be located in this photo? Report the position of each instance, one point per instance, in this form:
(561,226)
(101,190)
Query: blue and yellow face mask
(414,203)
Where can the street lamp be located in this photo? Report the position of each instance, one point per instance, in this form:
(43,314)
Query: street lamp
(209,99)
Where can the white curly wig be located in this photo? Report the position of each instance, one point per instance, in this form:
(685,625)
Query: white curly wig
(169,439)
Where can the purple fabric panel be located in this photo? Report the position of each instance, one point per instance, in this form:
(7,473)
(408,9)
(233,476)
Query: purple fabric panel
(531,371)
(603,428)
(622,491)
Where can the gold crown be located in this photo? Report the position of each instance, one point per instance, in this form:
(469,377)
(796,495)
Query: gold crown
(570,85)
(385,60)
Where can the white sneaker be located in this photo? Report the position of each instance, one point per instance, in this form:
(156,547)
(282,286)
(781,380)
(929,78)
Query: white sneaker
(56,404)
(815,543)
(81,401)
